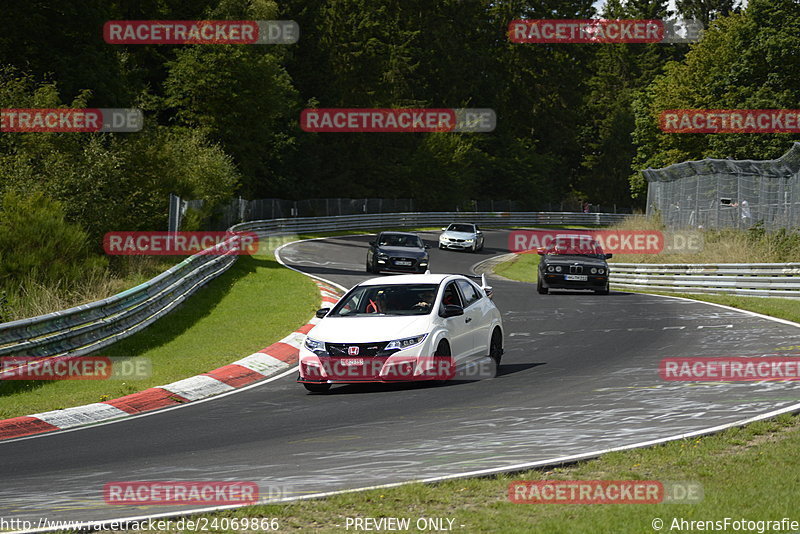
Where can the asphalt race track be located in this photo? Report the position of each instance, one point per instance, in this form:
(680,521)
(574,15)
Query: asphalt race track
(580,374)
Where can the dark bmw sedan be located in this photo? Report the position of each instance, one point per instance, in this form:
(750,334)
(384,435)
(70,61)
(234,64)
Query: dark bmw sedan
(398,252)
(573,262)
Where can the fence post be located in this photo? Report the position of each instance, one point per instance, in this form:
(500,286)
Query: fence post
(174,222)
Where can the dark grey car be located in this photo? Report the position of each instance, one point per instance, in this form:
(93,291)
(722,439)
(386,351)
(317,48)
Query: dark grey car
(573,269)
(402,252)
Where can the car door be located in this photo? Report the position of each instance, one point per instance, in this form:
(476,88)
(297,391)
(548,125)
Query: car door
(459,328)
(477,318)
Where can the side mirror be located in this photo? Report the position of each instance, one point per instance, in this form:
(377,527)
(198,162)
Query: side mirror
(452,310)
(609,256)
(372,243)
(427,246)
(322,312)
(444,229)
(489,292)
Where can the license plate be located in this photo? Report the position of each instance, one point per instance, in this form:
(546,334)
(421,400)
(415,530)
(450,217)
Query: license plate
(352,361)
(402,262)
(576,277)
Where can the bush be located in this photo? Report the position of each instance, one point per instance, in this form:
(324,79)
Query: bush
(39,248)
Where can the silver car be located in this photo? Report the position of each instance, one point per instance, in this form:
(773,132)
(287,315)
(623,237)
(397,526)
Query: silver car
(461,236)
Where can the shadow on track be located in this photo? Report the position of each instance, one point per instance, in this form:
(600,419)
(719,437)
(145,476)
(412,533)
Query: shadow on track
(377,387)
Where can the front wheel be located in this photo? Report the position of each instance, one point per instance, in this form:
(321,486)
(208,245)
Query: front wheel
(540,287)
(369,267)
(443,351)
(317,388)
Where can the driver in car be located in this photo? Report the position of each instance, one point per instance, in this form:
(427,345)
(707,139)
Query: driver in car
(426,299)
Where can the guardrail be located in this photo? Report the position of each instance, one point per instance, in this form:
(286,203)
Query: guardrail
(754,279)
(87,328)
(417,220)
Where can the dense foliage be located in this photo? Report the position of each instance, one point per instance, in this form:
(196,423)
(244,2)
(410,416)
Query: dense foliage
(575,121)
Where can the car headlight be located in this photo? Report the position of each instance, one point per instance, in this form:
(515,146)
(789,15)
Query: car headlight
(313,345)
(593,270)
(558,268)
(468,240)
(550,268)
(401,344)
(383,256)
(601,270)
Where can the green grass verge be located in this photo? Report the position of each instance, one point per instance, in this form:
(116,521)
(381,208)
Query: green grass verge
(523,268)
(253,304)
(743,472)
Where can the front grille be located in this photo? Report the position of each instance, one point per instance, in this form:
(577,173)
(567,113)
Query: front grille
(575,269)
(341,350)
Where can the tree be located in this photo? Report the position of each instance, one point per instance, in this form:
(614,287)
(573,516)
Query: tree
(744,61)
(706,10)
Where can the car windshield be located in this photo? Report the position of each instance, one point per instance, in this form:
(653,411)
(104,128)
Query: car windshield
(575,245)
(468,228)
(395,299)
(400,240)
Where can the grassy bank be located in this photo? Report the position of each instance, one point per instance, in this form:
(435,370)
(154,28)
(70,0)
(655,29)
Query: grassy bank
(253,304)
(34,298)
(523,268)
(753,245)
(744,472)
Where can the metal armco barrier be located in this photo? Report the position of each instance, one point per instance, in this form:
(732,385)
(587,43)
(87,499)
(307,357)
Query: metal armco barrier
(754,279)
(87,328)
(417,220)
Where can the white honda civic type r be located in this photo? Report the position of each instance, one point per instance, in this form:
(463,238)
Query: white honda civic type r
(402,328)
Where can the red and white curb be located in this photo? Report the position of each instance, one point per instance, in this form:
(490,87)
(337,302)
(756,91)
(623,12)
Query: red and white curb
(267,362)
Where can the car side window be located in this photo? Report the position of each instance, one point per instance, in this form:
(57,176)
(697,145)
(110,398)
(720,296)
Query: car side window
(450,295)
(471,295)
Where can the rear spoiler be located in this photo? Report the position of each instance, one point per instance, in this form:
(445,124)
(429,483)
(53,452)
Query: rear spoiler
(486,288)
